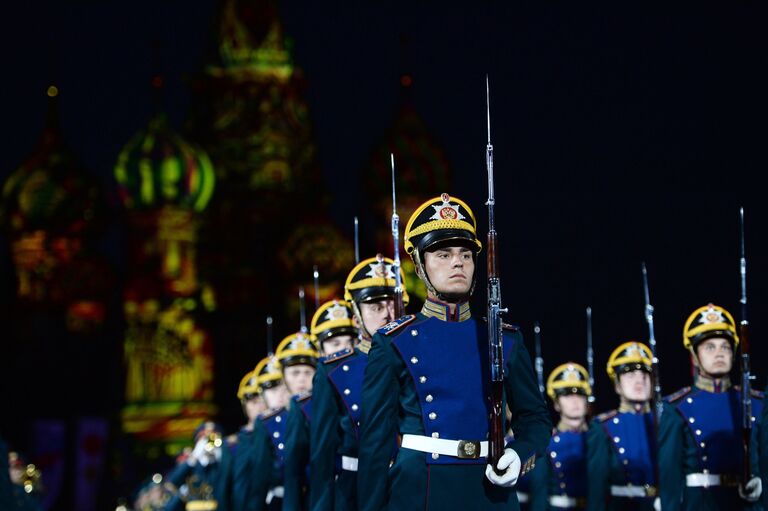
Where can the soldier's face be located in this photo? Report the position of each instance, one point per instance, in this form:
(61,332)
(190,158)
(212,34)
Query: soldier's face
(337,343)
(715,357)
(276,397)
(377,314)
(298,378)
(254,405)
(450,270)
(572,406)
(634,386)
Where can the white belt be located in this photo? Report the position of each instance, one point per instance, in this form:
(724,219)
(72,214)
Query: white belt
(632,491)
(564,501)
(456,448)
(522,497)
(349,464)
(706,480)
(276,492)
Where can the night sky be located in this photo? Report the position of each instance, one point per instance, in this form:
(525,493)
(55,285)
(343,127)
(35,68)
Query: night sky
(620,136)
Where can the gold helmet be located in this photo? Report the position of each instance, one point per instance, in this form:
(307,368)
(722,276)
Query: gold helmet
(440,220)
(373,279)
(331,319)
(709,321)
(268,373)
(630,356)
(568,378)
(296,349)
(248,385)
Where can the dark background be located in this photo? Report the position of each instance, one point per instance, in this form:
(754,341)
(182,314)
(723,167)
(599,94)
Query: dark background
(621,135)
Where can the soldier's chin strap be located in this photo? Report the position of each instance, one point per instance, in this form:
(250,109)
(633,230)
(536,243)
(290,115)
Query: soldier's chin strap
(421,272)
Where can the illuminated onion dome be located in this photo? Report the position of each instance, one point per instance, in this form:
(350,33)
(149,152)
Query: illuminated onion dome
(50,192)
(157,168)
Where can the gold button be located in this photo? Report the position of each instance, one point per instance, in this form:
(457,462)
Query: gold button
(345,367)
(429,398)
(278,419)
(422,379)
(432,415)
(556,438)
(435,455)
(414,333)
(276,434)
(702,444)
(558,464)
(354,408)
(615,420)
(621,450)
(414,360)
(689,400)
(553,455)
(347,392)
(691,420)
(616,439)
(281,446)
(698,432)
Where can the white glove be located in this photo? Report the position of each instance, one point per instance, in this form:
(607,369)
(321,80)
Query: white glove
(198,453)
(752,490)
(657,504)
(510,463)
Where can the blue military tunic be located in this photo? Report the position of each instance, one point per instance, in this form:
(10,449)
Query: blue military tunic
(337,391)
(621,461)
(427,376)
(700,437)
(296,477)
(243,471)
(561,483)
(269,457)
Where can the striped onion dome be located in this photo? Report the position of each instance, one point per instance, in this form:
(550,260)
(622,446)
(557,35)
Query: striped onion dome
(50,191)
(157,168)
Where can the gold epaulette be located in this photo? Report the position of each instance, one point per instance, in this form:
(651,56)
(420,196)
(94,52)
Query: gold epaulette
(335,357)
(396,325)
(677,396)
(607,415)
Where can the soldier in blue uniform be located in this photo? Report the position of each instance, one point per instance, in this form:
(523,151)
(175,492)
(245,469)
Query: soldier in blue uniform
(561,481)
(621,444)
(269,436)
(205,473)
(700,445)
(298,359)
(241,444)
(370,289)
(427,382)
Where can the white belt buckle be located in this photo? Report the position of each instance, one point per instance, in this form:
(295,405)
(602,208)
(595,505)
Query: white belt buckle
(349,464)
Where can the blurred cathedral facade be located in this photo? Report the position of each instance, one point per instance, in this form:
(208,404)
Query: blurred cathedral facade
(220,222)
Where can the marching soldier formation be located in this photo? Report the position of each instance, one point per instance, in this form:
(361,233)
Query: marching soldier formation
(373,408)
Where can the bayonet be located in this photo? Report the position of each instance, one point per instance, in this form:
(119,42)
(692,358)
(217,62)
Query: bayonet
(302,312)
(270,348)
(316,279)
(657,398)
(357,243)
(590,356)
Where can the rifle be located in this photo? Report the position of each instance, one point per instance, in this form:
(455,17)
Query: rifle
(357,244)
(658,404)
(399,305)
(539,361)
(590,357)
(746,371)
(316,279)
(495,349)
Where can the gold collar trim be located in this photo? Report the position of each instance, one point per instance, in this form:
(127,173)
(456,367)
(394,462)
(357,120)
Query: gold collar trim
(711,385)
(631,408)
(442,311)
